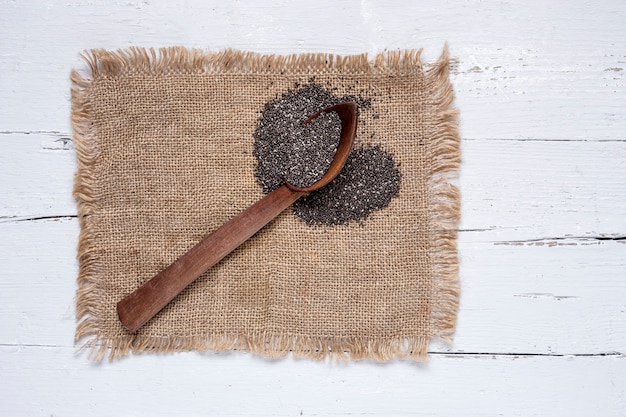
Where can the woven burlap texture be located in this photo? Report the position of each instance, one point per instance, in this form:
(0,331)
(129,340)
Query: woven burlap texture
(164,141)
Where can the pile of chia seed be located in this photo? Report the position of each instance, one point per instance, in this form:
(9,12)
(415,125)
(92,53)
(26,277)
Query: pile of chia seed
(368,181)
(288,149)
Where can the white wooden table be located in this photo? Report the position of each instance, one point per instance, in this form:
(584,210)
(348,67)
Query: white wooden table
(542,324)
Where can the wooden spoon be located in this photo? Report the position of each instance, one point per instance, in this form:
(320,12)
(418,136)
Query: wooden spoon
(146,301)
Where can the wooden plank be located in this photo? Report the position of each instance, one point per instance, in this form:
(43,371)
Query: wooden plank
(519,190)
(36,175)
(544,297)
(528,190)
(553,74)
(537,276)
(51,381)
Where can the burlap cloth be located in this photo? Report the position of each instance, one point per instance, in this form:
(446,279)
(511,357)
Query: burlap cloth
(164,144)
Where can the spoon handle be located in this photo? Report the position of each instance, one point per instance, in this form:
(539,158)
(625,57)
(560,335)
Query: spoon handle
(146,301)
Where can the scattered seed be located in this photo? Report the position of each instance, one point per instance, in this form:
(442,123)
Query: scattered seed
(286,148)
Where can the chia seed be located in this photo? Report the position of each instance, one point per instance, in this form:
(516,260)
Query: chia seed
(368,182)
(287,149)
(300,153)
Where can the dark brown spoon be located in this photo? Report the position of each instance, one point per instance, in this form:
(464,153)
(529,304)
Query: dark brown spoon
(146,301)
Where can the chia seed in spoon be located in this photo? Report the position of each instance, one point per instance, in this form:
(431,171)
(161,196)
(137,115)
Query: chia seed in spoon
(288,149)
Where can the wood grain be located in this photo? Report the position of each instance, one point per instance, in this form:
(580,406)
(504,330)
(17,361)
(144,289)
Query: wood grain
(542,324)
(519,190)
(193,384)
(527,70)
(538,297)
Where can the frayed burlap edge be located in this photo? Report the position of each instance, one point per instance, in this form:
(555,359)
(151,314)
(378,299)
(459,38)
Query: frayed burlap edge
(86,146)
(443,196)
(179,60)
(444,201)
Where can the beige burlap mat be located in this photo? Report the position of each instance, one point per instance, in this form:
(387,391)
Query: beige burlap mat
(164,140)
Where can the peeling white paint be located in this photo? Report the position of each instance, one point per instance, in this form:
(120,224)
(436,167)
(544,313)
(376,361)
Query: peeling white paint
(542,322)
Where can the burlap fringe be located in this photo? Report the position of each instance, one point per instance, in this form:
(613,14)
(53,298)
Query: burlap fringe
(179,60)
(88,294)
(443,197)
(269,345)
